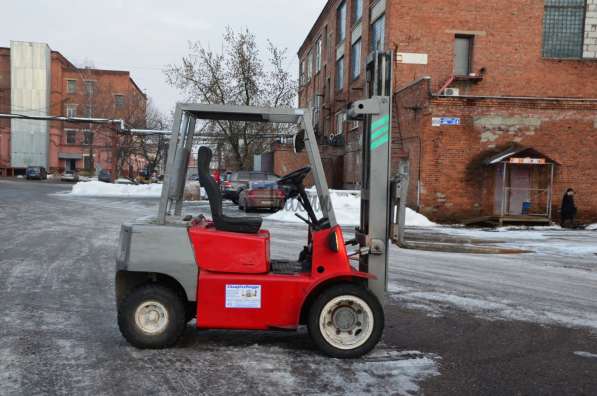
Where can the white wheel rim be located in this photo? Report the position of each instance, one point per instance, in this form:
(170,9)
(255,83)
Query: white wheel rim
(346,322)
(151,317)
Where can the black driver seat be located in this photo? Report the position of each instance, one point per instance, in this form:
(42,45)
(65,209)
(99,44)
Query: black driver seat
(245,225)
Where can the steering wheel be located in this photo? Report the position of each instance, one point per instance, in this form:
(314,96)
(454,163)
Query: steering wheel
(295,178)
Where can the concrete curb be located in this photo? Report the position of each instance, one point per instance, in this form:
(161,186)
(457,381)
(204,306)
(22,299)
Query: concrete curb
(460,248)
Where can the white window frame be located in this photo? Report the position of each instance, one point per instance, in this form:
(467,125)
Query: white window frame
(86,83)
(355,62)
(383,33)
(66,133)
(339,77)
(356,20)
(318,53)
(340,121)
(341,22)
(71,110)
(309,65)
(116,101)
(87,132)
(68,90)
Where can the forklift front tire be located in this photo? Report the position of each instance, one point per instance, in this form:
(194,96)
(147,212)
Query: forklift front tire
(152,317)
(346,321)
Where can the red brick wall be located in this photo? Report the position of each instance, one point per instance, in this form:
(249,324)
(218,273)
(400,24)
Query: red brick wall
(507,43)
(454,183)
(107,84)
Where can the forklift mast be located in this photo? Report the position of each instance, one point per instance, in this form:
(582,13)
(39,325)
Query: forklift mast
(376,205)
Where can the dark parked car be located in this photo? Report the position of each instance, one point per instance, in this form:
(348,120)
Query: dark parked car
(234,182)
(36,172)
(104,176)
(261,195)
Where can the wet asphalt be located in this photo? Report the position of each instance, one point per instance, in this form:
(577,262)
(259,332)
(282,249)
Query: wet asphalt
(58,332)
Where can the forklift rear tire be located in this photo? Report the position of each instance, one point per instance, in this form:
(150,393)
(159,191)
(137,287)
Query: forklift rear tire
(152,317)
(346,321)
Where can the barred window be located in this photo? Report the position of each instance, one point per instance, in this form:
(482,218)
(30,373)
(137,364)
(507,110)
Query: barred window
(563,28)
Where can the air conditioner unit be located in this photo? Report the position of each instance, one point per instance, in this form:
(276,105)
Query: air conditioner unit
(452,92)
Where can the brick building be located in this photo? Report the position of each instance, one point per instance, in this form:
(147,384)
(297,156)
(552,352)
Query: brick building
(37,81)
(494,103)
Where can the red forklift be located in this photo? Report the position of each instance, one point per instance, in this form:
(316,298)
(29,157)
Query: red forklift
(173,269)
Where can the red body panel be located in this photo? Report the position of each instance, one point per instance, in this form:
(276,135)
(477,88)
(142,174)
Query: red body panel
(267,300)
(230,252)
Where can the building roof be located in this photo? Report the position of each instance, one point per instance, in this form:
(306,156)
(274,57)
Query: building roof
(315,26)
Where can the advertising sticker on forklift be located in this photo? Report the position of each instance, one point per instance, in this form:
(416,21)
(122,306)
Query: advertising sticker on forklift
(243,296)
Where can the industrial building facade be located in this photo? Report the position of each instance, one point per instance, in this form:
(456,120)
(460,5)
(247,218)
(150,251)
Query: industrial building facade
(495,104)
(37,81)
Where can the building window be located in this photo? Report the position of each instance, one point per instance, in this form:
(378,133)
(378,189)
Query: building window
(340,74)
(119,101)
(341,22)
(357,11)
(87,137)
(88,162)
(309,65)
(71,136)
(89,88)
(318,55)
(89,111)
(71,86)
(71,110)
(377,34)
(302,73)
(563,28)
(355,60)
(463,51)
(340,120)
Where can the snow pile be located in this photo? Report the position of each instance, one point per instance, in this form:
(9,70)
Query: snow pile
(347,204)
(100,189)
(592,227)
(94,188)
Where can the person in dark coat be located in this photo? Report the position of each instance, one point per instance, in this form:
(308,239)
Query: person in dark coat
(568,210)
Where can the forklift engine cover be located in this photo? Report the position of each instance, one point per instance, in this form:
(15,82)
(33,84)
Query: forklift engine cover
(230,252)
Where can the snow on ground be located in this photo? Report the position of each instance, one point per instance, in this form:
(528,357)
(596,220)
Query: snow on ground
(435,303)
(592,227)
(274,370)
(547,241)
(587,355)
(549,286)
(119,190)
(101,189)
(347,204)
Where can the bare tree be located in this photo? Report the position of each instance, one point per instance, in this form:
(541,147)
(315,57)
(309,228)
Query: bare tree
(236,75)
(153,148)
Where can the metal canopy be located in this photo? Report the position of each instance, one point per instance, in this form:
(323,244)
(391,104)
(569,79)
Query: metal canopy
(181,144)
(242,113)
(515,151)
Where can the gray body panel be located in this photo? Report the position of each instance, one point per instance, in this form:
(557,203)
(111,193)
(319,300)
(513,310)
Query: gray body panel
(163,249)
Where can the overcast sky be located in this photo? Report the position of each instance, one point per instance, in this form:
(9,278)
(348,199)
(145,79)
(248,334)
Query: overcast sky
(145,35)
